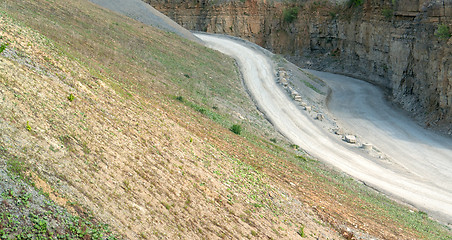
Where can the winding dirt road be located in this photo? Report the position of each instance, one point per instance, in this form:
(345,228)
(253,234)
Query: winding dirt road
(418,169)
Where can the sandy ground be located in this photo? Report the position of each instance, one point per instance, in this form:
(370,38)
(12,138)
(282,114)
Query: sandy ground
(415,165)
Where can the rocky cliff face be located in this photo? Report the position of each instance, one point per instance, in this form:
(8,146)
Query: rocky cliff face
(390,43)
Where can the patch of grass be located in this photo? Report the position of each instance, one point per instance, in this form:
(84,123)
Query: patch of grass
(27,214)
(290,14)
(443,32)
(17,167)
(304,158)
(309,85)
(166,205)
(127,186)
(237,129)
(204,111)
(313,77)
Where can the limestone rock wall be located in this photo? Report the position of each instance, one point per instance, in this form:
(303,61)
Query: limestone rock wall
(388,42)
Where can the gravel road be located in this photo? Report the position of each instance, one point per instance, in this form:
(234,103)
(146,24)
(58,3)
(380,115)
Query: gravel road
(418,167)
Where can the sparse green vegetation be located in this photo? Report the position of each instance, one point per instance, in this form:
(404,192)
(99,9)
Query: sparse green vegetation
(290,14)
(387,13)
(237,129)
(301,231)
(3,47)
(16,166)
(151,66)
(443,32)
(355,3)
(26,213)
(180,98)
(294,146)
(166,205)
(333,15)
(71,97)
(28,127)
(309,85)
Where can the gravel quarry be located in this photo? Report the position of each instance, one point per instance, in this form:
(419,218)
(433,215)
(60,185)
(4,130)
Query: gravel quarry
(408,162)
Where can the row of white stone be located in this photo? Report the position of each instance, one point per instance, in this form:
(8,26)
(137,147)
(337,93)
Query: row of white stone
(282,79)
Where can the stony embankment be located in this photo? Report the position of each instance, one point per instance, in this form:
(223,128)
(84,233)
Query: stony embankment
(394,44)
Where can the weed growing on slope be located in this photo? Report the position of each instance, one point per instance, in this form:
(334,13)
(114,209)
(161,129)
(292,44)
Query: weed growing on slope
(17,167)
(28,127)
(3,47)
(237,129)
(301,231)
(204,111)
(71,97)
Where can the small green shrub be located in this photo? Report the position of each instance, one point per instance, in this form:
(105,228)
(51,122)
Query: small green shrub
(180,98)
(290,14)
(301,231)
(71,97)
(387,13)
(3,47)
(355,3)
(295,146)
(273,140)
(28,127)
(237,129)
(333,15)
(443,32)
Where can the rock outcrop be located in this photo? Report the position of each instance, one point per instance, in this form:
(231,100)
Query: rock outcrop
(390,43)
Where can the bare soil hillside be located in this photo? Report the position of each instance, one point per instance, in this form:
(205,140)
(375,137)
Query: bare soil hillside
(128,125)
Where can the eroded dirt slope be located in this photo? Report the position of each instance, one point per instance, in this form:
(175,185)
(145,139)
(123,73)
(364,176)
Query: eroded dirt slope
(132,124)
(145,163)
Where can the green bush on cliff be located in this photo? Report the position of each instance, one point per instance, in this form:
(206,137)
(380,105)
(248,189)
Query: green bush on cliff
(387,13)
(355,3)
(443,32)
(290,14)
